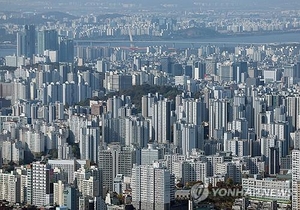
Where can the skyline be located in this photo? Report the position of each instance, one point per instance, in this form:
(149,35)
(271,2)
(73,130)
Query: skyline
(150,105)
(135,6)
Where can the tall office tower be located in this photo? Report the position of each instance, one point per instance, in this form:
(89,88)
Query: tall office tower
(199,70)
(226,72)
(47,40)
(89,143)
(66,50)
(152,187)
(89,181)
(116,160)
(166,64)
(39,190)
(211,65)
(161,121)
(20,44)
(273,160)
(240,70)
(296,179)
(177,69)
(30,40)
(26,42)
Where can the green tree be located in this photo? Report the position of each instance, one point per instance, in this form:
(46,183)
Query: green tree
(53,153)
(229,182)
(76,151)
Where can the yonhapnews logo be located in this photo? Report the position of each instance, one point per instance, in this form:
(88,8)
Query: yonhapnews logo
(199,192)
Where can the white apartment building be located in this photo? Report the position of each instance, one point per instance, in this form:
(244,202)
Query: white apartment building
(12,151)
(89,181)
(88,142)
(69,166)
(268,188)
(161,121)
(35,141)
(116,160)
(189,170)
(38,184)
(152,187)
(10,184)
(58,193)
(230,170)
(296,179)
(150,154)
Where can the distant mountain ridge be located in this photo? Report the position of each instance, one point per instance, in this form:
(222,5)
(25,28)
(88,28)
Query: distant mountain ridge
(81,7)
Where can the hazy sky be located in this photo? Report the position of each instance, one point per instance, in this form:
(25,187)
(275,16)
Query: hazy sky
(96,5)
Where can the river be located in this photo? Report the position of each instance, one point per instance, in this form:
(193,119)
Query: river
(228,41)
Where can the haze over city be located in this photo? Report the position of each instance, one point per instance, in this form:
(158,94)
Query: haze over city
(150,105)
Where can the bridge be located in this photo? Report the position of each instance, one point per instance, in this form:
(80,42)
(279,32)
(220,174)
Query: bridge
(174,42)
